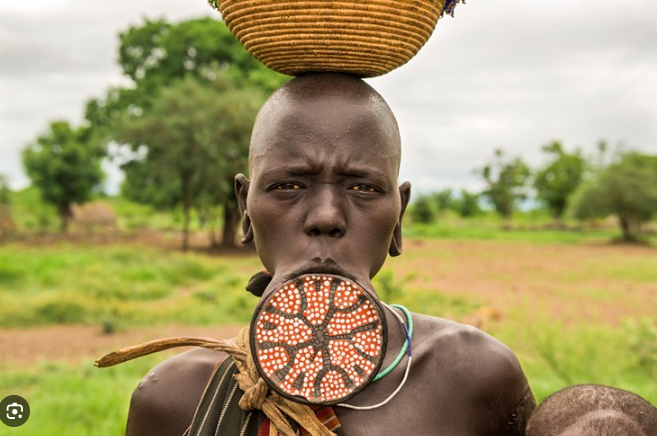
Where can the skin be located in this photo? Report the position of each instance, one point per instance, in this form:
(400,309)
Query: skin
(586,425)
(323,197)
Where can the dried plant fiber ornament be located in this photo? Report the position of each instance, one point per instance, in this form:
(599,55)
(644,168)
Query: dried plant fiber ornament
(318,339)
(365,38)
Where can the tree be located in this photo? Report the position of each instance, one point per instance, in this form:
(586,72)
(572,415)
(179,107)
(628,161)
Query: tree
(153,56)
(6,223)
(4,191)
(155,53)
(626,188)
(467,204)
(423,209)
(191,142)
(65,165)
(444,200)
(559,179)
(506,180)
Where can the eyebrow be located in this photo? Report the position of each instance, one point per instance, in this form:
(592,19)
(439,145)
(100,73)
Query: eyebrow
(359,172)
(299,167)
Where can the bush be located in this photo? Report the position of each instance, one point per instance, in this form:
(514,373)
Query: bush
(423,210)
(627,188)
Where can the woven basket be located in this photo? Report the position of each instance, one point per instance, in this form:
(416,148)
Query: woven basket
(362,37)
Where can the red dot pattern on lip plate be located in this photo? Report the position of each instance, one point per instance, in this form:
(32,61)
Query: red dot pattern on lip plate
(319,338)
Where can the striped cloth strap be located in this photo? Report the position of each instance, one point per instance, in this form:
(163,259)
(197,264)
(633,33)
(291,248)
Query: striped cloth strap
(219,414)
(324,413)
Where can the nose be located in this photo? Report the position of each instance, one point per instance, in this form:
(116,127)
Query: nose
(326,214)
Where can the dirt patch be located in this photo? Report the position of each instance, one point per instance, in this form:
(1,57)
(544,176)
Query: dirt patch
(79,342)
(598,283)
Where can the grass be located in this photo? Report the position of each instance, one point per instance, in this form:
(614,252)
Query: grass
(75,400)
(127,286)
(555,356)
(487,230)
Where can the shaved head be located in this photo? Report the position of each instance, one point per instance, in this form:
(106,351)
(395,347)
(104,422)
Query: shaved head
(593,410)
(336,94)
(323,189)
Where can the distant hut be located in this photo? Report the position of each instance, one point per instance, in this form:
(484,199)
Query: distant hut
(94,216)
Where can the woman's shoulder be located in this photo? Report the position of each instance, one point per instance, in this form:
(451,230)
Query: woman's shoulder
(166,398)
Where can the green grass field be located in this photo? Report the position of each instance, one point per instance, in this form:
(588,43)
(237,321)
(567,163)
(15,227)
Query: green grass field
(128,286)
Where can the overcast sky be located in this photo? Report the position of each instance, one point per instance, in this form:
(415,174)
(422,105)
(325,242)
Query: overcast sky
(503,73)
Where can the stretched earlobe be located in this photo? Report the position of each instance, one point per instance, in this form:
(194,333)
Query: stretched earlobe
(242,191)
(247,229)
(396,242)
(395,245)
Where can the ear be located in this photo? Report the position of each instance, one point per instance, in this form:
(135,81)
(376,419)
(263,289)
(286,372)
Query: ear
(242,190)
(396,242)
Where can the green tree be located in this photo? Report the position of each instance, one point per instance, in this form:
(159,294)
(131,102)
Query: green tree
(626,188)
(467,204)
(155,53)
(559,179)
(6,222)
(190,143)
(423,209)
(444,200)
(4,191)
(506,179)
(65,165)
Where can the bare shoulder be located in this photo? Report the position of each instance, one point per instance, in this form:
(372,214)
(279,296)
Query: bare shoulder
(481,368)
(165,400)
(479,355)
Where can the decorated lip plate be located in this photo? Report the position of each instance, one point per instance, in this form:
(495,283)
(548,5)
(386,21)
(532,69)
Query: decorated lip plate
(318,339)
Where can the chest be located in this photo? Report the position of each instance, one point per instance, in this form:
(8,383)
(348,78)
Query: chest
(418,410)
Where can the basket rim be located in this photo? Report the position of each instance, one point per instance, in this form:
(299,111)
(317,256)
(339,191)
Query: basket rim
(259,11)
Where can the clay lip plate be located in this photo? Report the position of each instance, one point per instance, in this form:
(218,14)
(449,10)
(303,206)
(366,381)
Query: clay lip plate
(318,339)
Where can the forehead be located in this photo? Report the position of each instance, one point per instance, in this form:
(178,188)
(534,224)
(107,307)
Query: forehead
(335,130)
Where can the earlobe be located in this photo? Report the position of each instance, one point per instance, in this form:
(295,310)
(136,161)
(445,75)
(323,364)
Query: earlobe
(396,242)
(247,229)
(242,190)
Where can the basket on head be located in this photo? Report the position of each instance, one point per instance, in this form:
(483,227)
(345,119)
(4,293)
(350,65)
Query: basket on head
(366,38)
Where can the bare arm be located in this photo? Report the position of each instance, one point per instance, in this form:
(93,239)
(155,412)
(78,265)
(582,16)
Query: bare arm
(164,402)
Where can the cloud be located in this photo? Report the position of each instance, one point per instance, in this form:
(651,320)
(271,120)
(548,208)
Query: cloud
(509,73)
(518,74)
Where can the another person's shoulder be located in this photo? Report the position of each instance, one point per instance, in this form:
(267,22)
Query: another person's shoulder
(481,367)
(166,398)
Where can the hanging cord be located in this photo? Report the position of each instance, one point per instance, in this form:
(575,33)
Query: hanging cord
(407,344)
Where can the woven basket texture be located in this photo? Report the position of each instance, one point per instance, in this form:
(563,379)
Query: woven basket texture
(366,38)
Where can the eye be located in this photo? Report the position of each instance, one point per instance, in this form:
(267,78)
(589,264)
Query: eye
(288,187)
(363,188)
